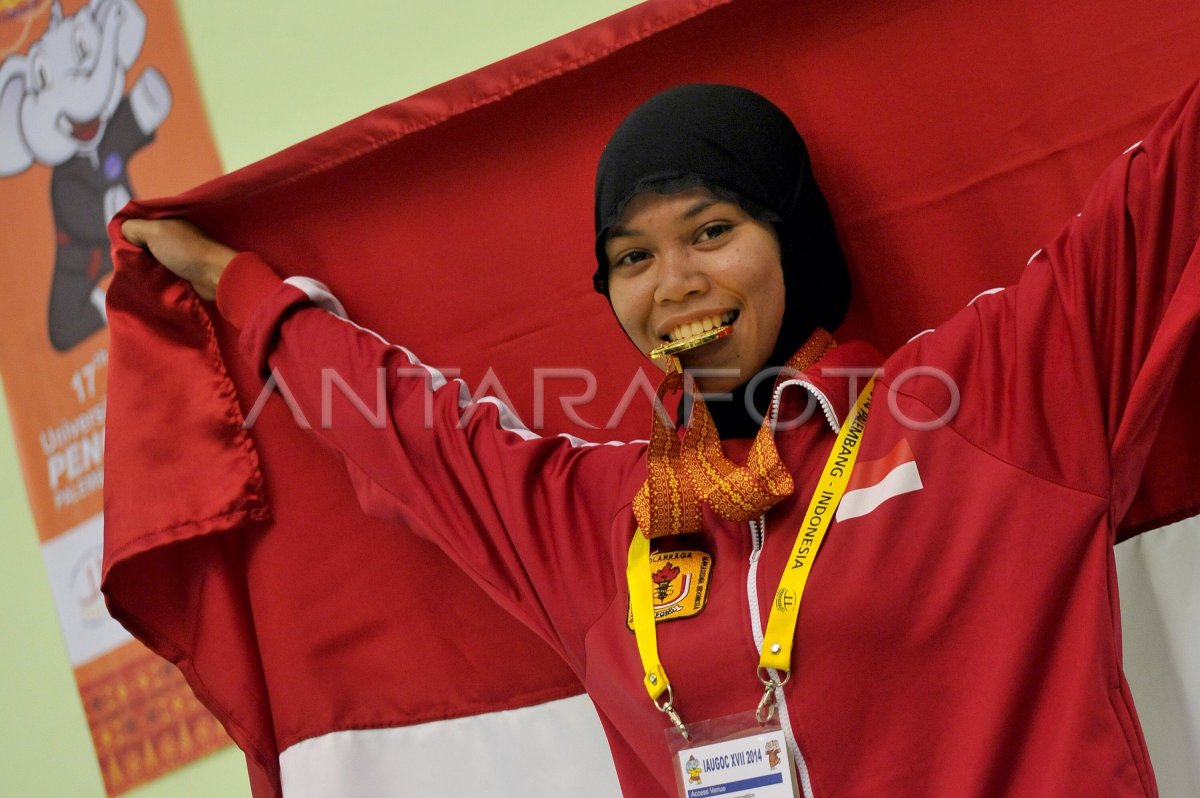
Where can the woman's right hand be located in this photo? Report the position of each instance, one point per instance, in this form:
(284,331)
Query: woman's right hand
(182,248)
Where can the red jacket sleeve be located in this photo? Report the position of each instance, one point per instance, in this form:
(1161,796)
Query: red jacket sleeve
(1067,373)
(526,516)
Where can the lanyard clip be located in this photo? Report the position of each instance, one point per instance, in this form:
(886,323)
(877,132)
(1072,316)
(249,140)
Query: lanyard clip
(766,706)
(768,703)
(668,709)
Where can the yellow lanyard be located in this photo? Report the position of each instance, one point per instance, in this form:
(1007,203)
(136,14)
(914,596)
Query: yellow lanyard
(776,652)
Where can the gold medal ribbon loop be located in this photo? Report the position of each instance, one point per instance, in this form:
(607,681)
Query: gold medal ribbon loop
(684,476)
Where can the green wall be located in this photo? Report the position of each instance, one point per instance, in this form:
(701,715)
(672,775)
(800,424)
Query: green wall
(272,73)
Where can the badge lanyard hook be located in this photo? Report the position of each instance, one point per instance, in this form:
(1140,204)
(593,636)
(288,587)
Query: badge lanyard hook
(668,708)
(768,703)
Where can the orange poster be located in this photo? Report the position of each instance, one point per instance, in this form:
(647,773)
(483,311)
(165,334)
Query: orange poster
(98,104)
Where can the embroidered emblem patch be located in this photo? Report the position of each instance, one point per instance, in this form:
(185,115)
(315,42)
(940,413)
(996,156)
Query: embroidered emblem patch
(679,582)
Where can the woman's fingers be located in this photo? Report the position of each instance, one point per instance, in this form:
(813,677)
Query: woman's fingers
(184,249)
(134,232)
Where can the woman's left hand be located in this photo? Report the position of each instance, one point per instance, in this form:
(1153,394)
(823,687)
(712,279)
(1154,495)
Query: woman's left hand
(181,247)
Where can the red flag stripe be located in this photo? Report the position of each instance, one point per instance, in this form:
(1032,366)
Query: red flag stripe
(872,472)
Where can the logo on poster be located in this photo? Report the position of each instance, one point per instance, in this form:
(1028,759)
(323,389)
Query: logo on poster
(85,588)
(63,105)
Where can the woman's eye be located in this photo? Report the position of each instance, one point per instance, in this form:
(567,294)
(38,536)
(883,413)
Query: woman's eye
(714,231)
(630,258)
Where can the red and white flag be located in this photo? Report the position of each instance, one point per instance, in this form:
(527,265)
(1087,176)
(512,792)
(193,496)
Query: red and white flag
(875,481)
(340,651)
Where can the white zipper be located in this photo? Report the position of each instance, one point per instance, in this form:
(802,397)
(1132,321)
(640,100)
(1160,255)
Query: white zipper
(822,399)
(758,532)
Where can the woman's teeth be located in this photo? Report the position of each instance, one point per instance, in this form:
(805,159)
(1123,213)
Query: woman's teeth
(701,325)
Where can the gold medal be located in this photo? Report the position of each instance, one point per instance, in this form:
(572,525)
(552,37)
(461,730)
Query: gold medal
(691,342)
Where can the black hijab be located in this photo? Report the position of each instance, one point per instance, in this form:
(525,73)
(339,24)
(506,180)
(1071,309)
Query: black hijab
(742,147)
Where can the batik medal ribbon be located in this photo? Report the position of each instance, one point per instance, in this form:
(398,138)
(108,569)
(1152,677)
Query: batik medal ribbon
(683,475)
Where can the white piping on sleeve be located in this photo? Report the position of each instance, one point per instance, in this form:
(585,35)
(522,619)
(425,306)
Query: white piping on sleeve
(320,295)
(988,292)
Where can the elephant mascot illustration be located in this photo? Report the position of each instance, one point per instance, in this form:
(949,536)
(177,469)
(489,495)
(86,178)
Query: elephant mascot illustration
(63,105)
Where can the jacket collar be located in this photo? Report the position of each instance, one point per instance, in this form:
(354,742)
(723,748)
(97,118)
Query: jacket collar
(829,387)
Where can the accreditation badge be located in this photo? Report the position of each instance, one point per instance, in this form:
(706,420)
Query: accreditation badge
(733,757)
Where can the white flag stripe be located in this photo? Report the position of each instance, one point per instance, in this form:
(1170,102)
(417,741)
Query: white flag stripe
(901,479)
(532,751)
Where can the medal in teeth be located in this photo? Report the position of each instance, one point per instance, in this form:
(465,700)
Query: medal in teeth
(697,333)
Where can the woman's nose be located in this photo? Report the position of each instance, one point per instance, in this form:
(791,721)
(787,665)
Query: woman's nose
(679,277)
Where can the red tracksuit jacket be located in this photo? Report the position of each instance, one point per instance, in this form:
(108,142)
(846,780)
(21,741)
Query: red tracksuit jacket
(960,632)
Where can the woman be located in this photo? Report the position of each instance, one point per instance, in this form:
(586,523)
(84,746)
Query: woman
(958,636)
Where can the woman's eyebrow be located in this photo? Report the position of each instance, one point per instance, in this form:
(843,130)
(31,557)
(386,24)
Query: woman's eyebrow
(699,208)
(690,213)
